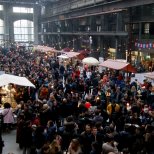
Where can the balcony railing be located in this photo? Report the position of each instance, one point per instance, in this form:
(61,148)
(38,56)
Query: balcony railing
(75,4)
(102,33)
(146,37)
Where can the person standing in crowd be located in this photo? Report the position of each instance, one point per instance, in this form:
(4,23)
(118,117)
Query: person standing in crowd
(8,117)
(113,109)
(86,139)
(27,137)
(74,147)
(45,115)
(109,146)
(1,129)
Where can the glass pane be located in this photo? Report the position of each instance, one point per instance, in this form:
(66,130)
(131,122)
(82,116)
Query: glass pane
(24,30)
(32,38)
(1,30)
(26,37)
(17,31)
(1,22)
(23,23)
(17,23)
(1,7)
(16,9)
(32,30)
(16,37)
(29,31)
(1,37)
(22,10)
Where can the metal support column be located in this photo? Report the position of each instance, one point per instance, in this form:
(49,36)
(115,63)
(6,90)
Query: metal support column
(116,38)
(36,14)
(8,26)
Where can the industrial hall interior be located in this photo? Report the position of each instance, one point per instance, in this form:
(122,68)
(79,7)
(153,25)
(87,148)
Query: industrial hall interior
(76,76)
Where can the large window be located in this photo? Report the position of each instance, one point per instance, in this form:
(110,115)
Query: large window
(146,28)
(1,7)
(22,10)
(23,31)
(1,31)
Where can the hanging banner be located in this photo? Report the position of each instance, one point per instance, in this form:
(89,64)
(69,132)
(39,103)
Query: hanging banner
(144,46)
(147,45)
(141,45)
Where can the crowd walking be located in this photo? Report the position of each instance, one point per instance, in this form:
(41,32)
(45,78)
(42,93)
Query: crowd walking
(77,112)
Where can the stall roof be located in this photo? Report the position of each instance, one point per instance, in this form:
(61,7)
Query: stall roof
(71,54)
(6,79)
(66,49)
(44,48)
(118,65)
(149,75)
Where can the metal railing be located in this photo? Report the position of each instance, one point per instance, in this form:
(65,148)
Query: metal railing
(75,4)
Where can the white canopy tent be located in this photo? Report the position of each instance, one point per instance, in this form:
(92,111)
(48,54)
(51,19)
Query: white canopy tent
(6,79)
(90,61)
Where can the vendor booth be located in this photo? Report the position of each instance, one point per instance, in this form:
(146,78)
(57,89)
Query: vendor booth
(6,79)
(71,54)
(118,65)
(68,57)
(44,48)
(47,50)
(7,91)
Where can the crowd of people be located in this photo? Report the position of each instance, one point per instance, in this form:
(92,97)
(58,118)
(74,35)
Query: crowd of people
(78,112)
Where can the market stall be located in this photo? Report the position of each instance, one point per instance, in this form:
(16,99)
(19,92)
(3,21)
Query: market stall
(6,79)
(47,50)
(71,54)
(7,91)
(68,58)
(44,48)
(118,65)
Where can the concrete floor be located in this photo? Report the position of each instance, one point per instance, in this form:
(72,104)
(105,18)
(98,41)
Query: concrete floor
(11,147)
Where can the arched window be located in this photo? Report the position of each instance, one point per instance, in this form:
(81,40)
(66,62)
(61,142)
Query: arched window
(23,31)
(1,31)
